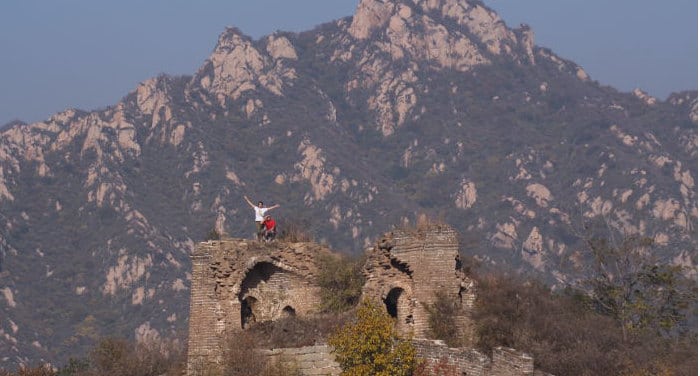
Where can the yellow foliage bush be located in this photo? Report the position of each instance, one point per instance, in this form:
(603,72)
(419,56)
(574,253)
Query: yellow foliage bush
(370,346)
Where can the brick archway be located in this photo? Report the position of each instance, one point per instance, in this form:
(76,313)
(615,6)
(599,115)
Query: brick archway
(397,303)
(288,311)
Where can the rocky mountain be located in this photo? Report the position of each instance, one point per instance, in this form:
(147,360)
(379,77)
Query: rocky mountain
(408,107)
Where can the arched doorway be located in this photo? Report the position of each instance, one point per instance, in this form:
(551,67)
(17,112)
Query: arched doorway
(398,307)
(392,302)
(274,290)
(288,311)
(248,311)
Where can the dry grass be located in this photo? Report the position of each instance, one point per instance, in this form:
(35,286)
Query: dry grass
(566,337)
(29,371)
(240,358)
(422,225)
(117,357)
(291,231)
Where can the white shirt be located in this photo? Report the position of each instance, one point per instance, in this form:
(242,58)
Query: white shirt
(260,213)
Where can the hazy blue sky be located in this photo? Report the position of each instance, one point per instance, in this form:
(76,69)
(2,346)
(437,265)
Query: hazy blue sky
(87,54)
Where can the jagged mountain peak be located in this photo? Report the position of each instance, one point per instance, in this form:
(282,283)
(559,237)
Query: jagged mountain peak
(238,65)
(472,19)
(386,44)
(373,14)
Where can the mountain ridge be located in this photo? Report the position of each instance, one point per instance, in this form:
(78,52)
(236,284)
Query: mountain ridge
(352,129)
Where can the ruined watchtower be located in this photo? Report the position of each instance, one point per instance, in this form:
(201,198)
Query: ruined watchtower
(409,269)
(236,282)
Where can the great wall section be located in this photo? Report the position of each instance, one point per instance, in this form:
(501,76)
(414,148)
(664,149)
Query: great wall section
(236,282)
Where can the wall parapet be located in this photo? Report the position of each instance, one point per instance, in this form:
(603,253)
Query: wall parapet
(470,362)
(507,361)
(309,360)
(319,359)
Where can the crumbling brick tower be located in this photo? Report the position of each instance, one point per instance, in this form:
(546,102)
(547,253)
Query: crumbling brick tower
(236,282)
(406,270)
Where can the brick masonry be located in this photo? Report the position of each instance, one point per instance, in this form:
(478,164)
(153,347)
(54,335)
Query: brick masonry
(309,360)
(406,270)
(319,360)
(470,362)
(236,282)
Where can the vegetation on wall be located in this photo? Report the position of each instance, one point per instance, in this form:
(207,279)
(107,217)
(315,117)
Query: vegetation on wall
(441,320)
(296,331)
(341,281)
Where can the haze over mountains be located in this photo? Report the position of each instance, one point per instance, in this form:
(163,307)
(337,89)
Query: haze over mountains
(360,124)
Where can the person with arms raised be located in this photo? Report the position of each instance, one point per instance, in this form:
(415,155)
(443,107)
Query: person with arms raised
(260,211)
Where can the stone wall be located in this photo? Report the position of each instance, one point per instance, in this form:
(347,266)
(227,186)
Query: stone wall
(407,269)
(204,336)
(467,362)
(470,362)
(236,282)
(309,360)
(511,362)
(319,360)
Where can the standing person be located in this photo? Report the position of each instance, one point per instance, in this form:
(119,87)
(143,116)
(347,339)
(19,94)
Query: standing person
(260,211)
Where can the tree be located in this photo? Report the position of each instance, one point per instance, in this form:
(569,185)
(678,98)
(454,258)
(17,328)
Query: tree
(566,336)
(371,346)
(639,292)
(240,358)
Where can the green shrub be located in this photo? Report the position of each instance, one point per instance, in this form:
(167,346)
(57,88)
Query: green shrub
(341,281)
(370,346)
(441,318)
